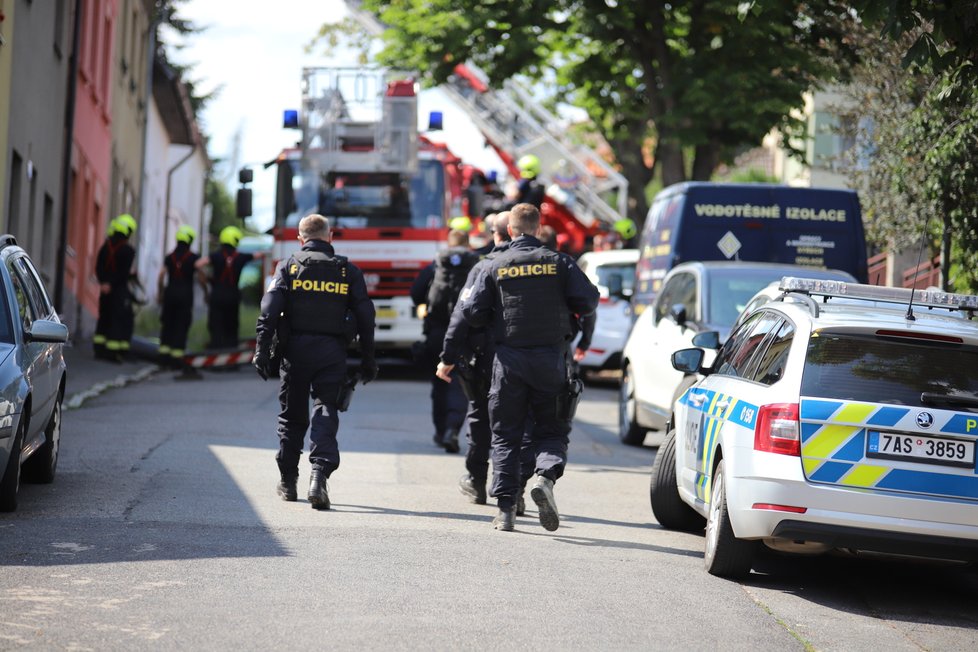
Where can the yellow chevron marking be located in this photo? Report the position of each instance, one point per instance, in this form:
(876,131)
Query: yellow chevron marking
(811,466)
(864,475)
(828,439)
(853,413)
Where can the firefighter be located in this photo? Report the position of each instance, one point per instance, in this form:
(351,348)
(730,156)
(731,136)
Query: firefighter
(224,301)
(313,293)
(439,289)
(529,191)
(175,293)
(528,296)
(113,269)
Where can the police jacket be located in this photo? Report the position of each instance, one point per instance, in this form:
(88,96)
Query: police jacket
(528,294)
(460,338)
(313,291)
(180,274)
(113,263)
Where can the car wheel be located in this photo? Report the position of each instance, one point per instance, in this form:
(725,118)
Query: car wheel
(667,507)
(11,475)
(726,555)
(41,466)
(629,432)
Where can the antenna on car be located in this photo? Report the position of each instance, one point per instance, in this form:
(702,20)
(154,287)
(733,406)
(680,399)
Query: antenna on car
(913,285)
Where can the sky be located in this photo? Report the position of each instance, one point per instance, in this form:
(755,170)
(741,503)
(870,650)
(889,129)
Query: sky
(253,52)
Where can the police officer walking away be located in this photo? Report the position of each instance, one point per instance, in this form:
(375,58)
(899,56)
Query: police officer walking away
(113,269)
(225,298)
(175,293)
(313,293)
(528,295)
(474,347)
(439,289)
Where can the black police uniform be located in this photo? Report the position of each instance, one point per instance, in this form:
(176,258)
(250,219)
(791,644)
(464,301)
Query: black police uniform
(527,295)
(438,288)
(530,191)
(178,300)
(225,301)
(313,292)
(113,266)
(466,345)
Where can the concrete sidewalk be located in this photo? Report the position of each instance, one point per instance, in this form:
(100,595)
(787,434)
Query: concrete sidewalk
(89,377)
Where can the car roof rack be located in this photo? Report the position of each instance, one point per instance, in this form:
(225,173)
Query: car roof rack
(7,240)
(841,289)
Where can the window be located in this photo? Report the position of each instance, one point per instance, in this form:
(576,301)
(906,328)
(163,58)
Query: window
(680,289)
(880,370)
(20,294)
(13,206)
(772,360)
(49,242)
(736,355)
(40,302)
(59,27)
(6,327)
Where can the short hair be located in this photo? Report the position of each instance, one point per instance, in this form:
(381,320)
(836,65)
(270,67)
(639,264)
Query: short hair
(458,238)
(548,236)
(524,219)
(314,227)
(500,224)
(487,222)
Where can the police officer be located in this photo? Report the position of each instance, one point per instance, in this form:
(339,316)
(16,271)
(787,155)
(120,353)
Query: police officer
(474,347)
(225,298)
(528,296)
(439,290)
(487,227)
(114,269)
(175,293)
(316,293)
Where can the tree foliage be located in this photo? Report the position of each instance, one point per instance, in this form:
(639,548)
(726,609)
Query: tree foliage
(913,158)
(700,76)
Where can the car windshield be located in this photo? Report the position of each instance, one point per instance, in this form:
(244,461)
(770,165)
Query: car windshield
(6,327)
(625,270)
(882,370)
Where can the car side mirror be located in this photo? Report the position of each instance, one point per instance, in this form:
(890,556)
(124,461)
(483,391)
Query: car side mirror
(688,361)
(678,314)
(707,340)
(616,287)
(45,330)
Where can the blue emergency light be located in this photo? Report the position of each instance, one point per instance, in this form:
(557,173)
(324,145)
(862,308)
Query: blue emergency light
(492,176)
(435,121)
(290,119)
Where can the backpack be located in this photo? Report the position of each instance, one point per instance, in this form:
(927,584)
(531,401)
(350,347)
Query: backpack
(451,269)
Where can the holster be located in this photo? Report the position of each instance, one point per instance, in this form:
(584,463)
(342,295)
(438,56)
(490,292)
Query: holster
(280,340)
(474,385)
(569,398)
(345,393)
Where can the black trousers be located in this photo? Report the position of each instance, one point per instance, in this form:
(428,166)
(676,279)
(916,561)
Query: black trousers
(175,320)
(222,319)
(313,365)
(526,381)
(448,402)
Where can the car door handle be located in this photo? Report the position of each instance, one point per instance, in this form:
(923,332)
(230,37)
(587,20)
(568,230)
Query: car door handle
(697,399)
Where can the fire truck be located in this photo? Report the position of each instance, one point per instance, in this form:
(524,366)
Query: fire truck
(388,191)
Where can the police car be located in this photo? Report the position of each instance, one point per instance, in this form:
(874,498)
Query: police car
(838,416)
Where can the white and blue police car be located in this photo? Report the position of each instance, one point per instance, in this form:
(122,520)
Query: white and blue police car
(838,416)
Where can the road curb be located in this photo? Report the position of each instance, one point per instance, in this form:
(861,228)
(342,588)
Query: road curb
(78,399)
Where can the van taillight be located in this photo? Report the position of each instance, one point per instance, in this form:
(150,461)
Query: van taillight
(777,429)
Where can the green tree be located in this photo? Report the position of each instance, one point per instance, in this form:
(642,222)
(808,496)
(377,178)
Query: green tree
(700,76)
(224,212)
(915,134)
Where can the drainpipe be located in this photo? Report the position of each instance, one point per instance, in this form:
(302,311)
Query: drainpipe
(69,133)
(169,180)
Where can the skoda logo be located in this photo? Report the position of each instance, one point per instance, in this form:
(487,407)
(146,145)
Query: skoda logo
(925,419)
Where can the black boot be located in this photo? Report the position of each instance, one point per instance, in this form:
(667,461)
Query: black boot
(475,490)
(505,520)
(287,488)
(318,490)
(450,441)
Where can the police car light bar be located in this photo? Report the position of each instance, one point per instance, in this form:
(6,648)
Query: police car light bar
(932,298)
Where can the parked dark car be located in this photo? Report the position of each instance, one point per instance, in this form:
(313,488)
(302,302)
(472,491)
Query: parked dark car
(32,375)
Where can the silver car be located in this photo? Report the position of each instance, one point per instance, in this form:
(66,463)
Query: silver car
(32,375)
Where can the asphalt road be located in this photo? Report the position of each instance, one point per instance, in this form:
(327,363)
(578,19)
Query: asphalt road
(163,531)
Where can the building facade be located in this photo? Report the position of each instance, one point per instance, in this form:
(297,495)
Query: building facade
(91,160)
(35,139)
